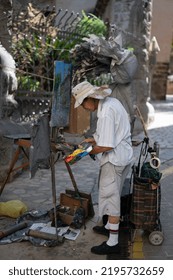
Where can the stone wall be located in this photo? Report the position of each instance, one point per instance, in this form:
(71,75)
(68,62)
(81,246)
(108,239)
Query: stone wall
(159,81)
(18,4)
(133,18)
(162,29)
(5,17)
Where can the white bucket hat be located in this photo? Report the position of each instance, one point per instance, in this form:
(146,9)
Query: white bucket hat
(85,89)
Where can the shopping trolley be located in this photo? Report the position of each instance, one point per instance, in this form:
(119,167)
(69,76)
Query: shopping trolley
(146,192)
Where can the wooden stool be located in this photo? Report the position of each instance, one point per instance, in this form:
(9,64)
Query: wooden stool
(22,141)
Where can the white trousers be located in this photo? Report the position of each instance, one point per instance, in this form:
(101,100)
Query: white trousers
(111,180)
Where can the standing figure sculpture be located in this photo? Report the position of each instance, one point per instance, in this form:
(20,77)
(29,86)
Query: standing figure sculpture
(8,80)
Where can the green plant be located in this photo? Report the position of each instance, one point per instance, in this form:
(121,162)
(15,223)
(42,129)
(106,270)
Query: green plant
(90,24)
(35,54)
(28,83)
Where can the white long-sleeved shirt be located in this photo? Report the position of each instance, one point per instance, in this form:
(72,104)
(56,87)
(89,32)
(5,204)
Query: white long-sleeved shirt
(113,130)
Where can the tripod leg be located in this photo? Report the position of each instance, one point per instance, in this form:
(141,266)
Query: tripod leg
(52,164)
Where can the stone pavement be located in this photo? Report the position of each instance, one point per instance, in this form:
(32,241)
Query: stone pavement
(161,130)
(36,193)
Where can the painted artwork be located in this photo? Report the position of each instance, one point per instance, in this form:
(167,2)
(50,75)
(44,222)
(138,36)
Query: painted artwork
(61,94)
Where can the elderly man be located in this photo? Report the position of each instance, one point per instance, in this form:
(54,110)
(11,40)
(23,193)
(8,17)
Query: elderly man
(112,143)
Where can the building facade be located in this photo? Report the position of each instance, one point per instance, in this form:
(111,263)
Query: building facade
(162,29)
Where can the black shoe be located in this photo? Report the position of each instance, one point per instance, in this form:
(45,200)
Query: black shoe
(101,230)
(105,249)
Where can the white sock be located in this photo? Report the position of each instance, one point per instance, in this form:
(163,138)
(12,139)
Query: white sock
(113,234)
(107,225)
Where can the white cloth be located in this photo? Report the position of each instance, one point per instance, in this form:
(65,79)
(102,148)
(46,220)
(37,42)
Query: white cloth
(113,130)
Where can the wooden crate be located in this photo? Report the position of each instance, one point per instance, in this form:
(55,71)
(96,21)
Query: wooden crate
(71,203)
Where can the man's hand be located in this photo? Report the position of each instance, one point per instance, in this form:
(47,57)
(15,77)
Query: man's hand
(96,149)
(89,140)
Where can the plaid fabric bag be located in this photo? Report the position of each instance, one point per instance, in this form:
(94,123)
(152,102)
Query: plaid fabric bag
(145,206)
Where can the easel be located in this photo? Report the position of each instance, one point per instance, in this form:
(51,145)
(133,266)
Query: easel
(22,141)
